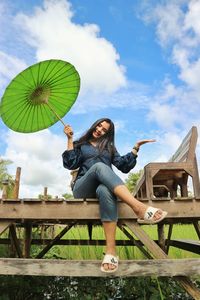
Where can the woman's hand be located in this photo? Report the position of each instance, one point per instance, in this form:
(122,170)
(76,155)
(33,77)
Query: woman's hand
(68,131)
(142,142)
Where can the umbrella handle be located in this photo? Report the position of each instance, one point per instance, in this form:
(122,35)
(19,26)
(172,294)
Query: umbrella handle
(55,113)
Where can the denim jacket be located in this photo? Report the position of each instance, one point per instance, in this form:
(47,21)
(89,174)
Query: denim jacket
(86,155)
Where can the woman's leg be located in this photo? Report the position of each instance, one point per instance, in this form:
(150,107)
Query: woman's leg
(109,216)
(138,207)
(110,233)
(101,173)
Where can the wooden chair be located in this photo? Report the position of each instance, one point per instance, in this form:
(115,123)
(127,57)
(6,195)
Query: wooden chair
(163,179)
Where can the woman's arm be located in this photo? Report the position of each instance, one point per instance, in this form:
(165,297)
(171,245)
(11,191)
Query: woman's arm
(140,143)
(71,156)
(127,162)
(69,133)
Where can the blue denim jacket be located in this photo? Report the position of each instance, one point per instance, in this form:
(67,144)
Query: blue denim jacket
(86,155)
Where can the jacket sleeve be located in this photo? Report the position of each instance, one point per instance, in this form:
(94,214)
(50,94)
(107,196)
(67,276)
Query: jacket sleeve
(72,158)
(124,163)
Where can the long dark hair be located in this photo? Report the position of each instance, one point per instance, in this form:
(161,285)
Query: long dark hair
(106,141)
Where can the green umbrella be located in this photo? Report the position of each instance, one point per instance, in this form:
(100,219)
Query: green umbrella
(40,95)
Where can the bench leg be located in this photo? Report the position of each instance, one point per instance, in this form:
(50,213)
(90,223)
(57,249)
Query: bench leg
(149,184)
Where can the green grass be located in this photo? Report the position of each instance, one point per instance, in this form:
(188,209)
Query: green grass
(128,252)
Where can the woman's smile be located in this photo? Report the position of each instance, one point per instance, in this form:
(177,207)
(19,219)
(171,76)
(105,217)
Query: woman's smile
(101,129)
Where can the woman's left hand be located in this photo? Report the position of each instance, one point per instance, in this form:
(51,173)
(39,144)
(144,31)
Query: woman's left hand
(142,142)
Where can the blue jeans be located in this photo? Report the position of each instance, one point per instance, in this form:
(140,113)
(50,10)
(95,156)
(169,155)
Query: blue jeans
(99,181)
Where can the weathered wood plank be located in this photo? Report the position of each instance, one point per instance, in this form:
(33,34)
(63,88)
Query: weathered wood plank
(145,239)
(130,268)
(79,210)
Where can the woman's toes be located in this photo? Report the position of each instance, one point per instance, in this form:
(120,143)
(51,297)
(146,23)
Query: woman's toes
(157,215)
(106,267)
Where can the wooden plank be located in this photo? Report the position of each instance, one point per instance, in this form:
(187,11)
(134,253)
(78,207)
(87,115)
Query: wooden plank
(76,210)
(188,245)
(3,226)
(136,242)
(144,238)
(127,268)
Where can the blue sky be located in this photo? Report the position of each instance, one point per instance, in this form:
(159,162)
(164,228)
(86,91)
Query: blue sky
(139,63)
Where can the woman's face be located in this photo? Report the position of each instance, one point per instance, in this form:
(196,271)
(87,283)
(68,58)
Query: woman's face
(101,129)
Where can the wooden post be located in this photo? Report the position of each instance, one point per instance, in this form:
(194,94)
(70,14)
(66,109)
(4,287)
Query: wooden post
(169,237)
(5,187)
(45,193)
(17,183)
(27,240)
(161,236)
(15,242)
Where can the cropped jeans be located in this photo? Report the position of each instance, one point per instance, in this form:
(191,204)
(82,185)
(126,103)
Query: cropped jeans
(99,181)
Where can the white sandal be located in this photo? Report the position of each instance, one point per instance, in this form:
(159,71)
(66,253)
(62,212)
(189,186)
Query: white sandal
(149,216)
(112,260)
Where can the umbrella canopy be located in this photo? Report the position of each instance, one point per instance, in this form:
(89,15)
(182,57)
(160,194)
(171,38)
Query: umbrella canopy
(40,95)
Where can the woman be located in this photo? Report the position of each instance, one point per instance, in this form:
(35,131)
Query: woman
(93,154)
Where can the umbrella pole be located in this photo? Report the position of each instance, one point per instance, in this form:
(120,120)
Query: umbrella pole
(55,113)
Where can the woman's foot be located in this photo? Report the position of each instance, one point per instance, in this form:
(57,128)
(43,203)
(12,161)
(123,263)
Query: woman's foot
(151,215)
(109,263)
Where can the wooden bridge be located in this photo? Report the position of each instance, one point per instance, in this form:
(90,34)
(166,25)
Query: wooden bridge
(169,191)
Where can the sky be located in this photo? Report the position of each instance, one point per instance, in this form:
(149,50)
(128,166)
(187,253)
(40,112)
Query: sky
(139,64)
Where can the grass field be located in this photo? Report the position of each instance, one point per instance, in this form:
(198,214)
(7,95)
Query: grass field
(128,252)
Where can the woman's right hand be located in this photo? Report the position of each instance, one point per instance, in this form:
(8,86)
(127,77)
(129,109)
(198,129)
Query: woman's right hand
(68,131)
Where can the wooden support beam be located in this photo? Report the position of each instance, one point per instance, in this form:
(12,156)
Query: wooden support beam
(188,245)
(197,228)
(15,240)
(74,242)
(158,253)
(161,236)
(134,241)
(53,242)
(3,226)
(169,237)
(127,268)
(27,240)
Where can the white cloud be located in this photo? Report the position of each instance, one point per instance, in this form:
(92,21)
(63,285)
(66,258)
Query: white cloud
(39,156)
(10,66)
(165,115)
(177,26)
(53,34)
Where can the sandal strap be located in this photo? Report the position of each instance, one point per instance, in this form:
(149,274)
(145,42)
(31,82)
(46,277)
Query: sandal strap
(150,212)
(110,259)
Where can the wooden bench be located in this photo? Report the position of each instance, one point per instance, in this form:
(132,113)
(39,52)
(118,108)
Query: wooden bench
(166,179)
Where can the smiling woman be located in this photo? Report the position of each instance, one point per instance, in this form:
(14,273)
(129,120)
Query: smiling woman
(94,154)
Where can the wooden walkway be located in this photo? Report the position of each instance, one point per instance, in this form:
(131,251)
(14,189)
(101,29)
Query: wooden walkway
(28,213)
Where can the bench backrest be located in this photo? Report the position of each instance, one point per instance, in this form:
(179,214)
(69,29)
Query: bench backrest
(186,151)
